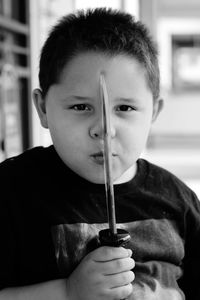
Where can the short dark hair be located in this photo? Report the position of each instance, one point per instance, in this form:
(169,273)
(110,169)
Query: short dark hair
(103,30)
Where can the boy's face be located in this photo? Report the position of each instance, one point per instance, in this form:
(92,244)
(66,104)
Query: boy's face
(72,112)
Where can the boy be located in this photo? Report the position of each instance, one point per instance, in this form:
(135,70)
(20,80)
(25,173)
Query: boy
(53,200)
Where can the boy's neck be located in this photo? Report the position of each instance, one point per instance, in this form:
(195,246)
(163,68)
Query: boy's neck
(127,175)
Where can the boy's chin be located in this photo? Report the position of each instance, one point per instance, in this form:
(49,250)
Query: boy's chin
(100,178)
(95,179)
(118,177)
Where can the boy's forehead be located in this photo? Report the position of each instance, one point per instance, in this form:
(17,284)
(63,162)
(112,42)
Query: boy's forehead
(81,76)
(86,67)
(90,62)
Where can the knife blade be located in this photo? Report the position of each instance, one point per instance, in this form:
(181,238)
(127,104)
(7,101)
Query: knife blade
(110,199)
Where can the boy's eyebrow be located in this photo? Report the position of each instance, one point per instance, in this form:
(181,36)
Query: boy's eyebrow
(84,98)
(129,100)
(71,98)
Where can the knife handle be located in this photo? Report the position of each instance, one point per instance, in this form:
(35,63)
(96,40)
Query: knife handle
(120,239)
(117,240)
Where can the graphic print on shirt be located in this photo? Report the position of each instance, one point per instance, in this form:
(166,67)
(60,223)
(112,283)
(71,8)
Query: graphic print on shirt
(157,249)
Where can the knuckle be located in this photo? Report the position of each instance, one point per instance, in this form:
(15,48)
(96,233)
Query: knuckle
(119,264)
(114,252)
(132,263)
(108,249)
(123,292)
(103,253)
(119,252)
(124,277)
(126,291)
(125,264)
(127,277)
(132,276)
(108,252)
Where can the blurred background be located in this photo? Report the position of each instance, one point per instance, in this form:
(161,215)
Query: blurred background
(174,141)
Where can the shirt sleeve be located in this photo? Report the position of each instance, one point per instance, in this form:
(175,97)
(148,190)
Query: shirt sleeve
(8,244)
(190,282)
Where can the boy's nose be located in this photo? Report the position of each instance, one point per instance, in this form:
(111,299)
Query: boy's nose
(97,131)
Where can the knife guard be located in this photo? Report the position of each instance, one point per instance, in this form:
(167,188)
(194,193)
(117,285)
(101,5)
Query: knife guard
(106,238)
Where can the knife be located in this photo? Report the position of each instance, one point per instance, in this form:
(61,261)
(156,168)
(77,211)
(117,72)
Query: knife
(112,236)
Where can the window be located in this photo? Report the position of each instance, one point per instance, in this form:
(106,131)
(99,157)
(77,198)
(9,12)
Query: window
(186,62)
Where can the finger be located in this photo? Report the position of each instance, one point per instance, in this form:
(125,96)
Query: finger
(121,279)
(122,292)
(106,253)
(117,266)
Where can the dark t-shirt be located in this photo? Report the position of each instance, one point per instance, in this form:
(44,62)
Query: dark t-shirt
(50,218)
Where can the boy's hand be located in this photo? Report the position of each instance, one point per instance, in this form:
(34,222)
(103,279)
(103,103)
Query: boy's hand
(104,273)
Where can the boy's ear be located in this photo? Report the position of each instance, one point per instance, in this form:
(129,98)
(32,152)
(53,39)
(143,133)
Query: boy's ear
(40,105)
(157,107)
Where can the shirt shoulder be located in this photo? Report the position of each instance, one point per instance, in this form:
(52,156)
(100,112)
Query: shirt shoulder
(162,181)
(30,159)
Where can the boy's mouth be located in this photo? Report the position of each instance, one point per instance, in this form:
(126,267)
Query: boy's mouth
(99,157)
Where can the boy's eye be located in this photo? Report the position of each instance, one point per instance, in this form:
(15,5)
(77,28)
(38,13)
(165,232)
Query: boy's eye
(80,107)
(124,108)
